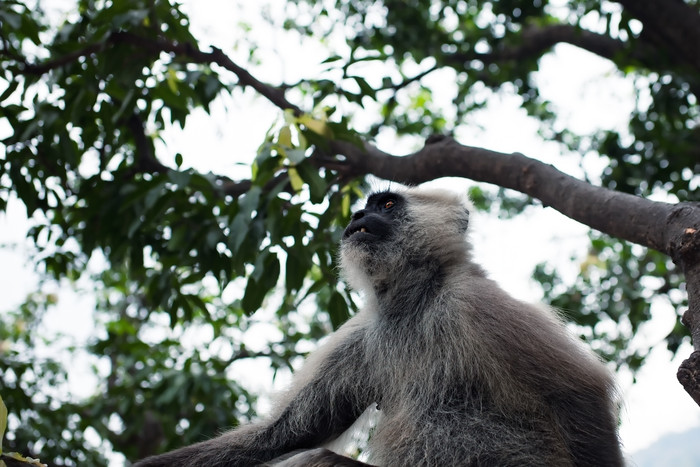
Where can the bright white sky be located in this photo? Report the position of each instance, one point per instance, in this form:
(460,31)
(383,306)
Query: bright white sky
(587,91)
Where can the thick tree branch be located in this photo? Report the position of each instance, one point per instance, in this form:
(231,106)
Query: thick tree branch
(536,40)
(689,375)
(618,214)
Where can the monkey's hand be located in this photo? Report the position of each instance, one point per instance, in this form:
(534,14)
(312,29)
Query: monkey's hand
(319,457)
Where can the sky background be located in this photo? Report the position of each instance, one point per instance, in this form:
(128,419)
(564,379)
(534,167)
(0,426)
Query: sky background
(587,91)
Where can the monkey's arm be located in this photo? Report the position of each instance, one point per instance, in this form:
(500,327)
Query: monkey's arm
(325,401)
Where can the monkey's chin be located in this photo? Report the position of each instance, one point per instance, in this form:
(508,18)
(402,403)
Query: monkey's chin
(355,260)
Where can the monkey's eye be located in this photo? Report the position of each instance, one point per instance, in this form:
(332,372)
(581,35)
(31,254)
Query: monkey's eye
(389,204)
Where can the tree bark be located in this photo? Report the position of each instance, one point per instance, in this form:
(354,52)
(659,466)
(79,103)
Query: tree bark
(535,41)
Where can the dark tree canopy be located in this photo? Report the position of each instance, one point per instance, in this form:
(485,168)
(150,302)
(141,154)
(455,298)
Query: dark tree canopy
(85,97)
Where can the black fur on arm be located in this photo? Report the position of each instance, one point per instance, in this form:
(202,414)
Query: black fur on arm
(318,409)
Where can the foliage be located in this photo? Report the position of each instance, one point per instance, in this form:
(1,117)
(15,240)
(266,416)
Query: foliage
(606,301)
(39,419)
(183,253)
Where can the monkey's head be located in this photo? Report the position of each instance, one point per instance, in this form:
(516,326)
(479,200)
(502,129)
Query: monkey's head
(404,233)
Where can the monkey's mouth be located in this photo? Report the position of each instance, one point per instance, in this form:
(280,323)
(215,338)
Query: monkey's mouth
(355,229)
(369,229)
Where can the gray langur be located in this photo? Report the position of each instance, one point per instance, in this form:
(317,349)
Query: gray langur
(462,373)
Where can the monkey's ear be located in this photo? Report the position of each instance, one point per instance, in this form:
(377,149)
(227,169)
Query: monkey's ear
(466,208)
(463,220)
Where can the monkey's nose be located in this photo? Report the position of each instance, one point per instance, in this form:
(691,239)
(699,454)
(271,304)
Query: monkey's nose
(358,215)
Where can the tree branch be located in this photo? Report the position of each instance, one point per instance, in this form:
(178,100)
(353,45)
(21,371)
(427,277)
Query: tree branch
(536,40)
(146,161)
(157,45)
(217,56)
(412,79)
(689,375)
(48,65)
(618,214)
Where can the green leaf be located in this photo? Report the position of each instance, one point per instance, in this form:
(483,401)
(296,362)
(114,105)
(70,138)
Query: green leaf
(3,421)
(365,88)
(252,297)
(11,88)
(319,127)
(317,185)
(263,278)
(181,179)
(295,180)
(332,58)
(172,81)
(295,270)
(345,205)
(295,156)
(284,138)
(238,231)
(479,198)
(174,388)
(177,240)
(272,271)
(11,18)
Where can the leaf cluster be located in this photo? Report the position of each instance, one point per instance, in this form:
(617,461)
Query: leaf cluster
(82,159)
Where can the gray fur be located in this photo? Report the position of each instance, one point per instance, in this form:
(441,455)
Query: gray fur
(463,374)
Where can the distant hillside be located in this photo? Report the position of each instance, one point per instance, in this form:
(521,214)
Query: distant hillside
(677,450)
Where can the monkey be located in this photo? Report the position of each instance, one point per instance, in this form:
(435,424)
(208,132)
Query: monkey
(461,372)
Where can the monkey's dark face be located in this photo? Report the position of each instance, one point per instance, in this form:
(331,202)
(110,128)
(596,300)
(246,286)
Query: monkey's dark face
(370,242)
(376,222)
(412,233)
